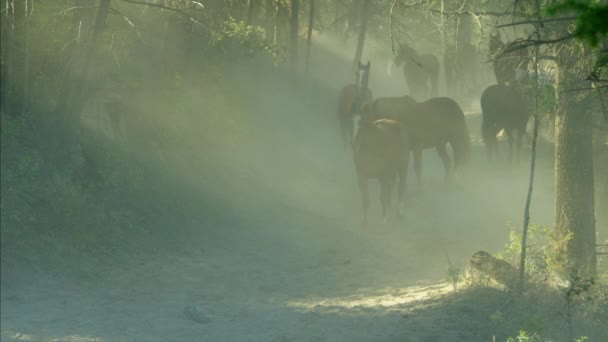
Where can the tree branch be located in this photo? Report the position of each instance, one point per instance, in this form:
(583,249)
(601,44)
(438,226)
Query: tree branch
(176,10)
(522,44)
(147,3)
(466,12)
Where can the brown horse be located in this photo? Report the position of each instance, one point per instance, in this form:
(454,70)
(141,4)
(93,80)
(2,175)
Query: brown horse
(503,107)
(351,98)
(430,124)
(380,151)
(421,71)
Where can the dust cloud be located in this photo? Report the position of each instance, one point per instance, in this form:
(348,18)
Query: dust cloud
(274,250)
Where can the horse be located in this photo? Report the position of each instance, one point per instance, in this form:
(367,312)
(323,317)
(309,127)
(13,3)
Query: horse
(430,124)
(351,99)
(380,151)
(421,71)
(509,65)
(503,107)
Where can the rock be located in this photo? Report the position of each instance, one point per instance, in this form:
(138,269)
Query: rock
(497,269)
(194,313)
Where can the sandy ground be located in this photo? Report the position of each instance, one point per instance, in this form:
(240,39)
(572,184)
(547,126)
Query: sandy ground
(294,269)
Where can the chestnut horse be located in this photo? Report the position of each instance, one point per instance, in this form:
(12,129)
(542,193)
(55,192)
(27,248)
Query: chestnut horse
(380,151)
(421,71)
(351,98)
(503,107)
(430,124)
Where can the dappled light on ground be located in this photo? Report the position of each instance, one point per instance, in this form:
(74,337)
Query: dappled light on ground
(389,298)
(11,335)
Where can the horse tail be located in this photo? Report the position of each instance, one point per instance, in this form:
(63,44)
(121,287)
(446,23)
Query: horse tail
(461,144)
(346,129)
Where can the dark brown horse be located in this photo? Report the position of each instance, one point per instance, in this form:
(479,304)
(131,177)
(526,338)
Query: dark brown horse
(509,64)
(380,151)
(430,124)
(503,107)
(421,71)
(351,98)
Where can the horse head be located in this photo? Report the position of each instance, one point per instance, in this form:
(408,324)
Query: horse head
(404,53)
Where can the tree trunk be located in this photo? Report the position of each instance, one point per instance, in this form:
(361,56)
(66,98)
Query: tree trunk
(311,17)
(26,58)
(574,189)
(8,54)
(364,17)
(447,66)
(250,9)
(293,40)
(275,29)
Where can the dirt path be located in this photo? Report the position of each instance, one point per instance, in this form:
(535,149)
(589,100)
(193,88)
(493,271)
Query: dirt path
(296,268)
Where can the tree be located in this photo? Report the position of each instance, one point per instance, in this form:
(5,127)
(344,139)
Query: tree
(8,50)
(574,185)
(293,39)
(250,9)
(311,17)
(363,19)
(574,179)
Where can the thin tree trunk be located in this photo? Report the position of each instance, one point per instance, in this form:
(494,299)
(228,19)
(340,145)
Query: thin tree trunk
(26,58)
(447,67)
(522,260)
(574,185)
(311,18)
(275,31)
(364,17)
(250,9)
(293,40)
(8,49)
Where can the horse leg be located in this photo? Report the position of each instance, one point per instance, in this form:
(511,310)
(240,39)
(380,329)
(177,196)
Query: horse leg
(402,184)
(518,143)
(418,166)
(445,159)
(363,187)
(509,133)
(386,187)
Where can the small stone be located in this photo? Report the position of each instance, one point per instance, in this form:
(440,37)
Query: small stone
(194,313)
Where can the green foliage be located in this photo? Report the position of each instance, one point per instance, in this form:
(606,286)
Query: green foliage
(242,40)
(591,24)
(547,102)
(545,253)
(552,286)
(525,336)
(51,205)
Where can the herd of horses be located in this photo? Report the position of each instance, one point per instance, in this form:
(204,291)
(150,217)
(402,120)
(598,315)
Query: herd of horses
(390,129)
